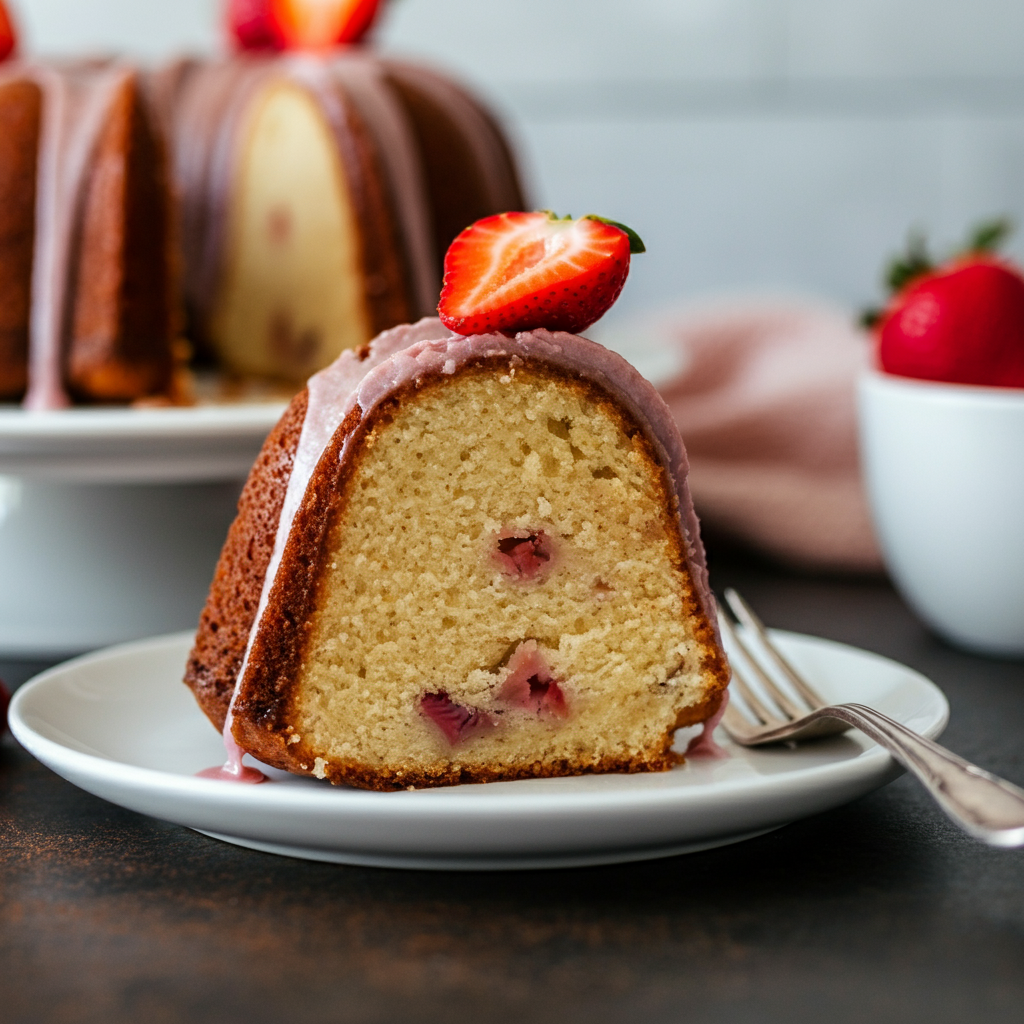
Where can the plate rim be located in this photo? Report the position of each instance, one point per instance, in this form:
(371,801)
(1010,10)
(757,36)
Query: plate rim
(450,800)
(106,422)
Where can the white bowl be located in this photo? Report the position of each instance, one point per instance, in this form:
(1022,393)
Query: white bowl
(944,467)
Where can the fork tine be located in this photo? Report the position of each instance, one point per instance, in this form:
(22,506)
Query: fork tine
(738,726)
(747,616)
(789,706)
(753,702)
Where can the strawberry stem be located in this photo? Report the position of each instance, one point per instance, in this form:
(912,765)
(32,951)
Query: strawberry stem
(986,237)
(913,263)
(989,235)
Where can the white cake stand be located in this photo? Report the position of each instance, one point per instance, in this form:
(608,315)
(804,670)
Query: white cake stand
(111,520)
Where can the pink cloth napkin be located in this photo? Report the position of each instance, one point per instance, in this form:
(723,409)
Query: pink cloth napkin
(766,405)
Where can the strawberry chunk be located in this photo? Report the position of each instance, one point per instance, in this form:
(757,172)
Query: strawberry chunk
(8,37)
(522,555)
(520,271)
(530,684)
(456,722)
(299,24)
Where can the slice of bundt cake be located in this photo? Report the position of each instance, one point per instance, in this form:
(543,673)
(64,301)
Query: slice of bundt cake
(20,107)
(319,193)
(87,266)
(464,559)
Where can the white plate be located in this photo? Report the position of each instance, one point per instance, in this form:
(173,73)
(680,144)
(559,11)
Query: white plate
(123,445)
(120,724)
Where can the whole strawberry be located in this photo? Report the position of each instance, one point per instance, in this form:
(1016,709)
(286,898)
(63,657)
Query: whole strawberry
(8,39)
(962,322)
(520,271)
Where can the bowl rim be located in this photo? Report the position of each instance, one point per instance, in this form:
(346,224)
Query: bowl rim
(871,378)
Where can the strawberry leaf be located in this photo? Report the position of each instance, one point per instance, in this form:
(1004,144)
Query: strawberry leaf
(913,263)
(636,243)
(989,235)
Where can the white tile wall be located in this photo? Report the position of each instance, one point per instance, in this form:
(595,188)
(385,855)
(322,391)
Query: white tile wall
(755,144)
(148,28)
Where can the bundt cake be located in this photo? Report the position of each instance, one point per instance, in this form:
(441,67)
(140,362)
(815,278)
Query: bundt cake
(316,196)
(463,559)
(87,264)
(319,194)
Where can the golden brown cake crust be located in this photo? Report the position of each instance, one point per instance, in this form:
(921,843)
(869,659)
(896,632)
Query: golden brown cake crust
(230,609)
(124,318)
(20,110)
(264,702)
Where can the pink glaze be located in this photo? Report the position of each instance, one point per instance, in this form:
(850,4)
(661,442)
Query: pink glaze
(704,745)
(530,684)
(458,723)
(523,555)
(224,774)
(233,770)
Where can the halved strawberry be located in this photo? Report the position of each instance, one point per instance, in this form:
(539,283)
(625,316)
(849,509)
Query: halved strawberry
(519,271)
(8,38)
(299,24)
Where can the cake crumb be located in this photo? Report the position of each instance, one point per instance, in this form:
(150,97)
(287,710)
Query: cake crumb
(320,768)
(294,738)
(543,506)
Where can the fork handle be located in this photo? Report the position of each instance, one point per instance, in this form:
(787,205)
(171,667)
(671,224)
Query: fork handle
(987,807)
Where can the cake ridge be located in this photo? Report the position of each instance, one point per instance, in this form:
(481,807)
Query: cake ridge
(477,128)
(93,266)
(379,146)
(363,77)
(76,98)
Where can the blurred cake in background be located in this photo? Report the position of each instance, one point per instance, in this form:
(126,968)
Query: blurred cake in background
(87,266)
(319,193)
(286,204)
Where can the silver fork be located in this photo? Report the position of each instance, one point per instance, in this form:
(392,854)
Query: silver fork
(987,807)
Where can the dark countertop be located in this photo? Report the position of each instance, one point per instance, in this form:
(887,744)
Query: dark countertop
(878,911)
